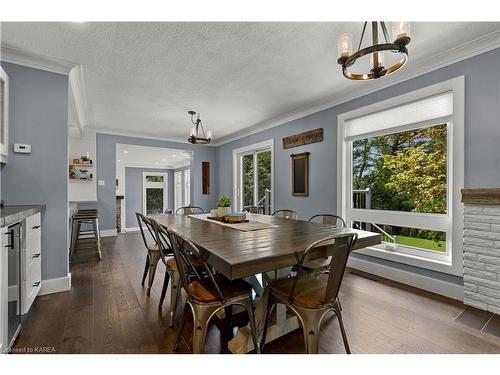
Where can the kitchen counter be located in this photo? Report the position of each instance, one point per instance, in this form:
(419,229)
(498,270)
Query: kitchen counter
(12,214)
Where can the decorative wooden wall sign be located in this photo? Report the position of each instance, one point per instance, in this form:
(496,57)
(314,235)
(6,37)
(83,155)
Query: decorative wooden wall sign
(300,174)
(205,177)
(305,138)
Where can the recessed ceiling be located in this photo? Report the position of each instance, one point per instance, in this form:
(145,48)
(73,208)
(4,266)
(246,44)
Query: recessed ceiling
(151,157)
(142,78)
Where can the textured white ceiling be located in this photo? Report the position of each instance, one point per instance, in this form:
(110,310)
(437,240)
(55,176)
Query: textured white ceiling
(151,157)
(144,77)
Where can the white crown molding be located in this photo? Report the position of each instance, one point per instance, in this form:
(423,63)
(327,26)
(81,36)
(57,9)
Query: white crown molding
(143,136)
(77,84)
(32,60)
(466,50)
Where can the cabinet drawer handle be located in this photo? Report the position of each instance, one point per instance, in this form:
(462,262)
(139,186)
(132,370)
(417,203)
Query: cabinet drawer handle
(36,226)
(37,283)
(36,255)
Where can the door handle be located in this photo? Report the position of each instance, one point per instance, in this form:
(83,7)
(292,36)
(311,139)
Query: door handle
(36,255)
(37,283)
(36,226)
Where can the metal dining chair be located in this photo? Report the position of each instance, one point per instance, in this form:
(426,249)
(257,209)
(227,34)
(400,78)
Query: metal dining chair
(163,250)
(206,295)
(328,219)
(311,296)
(285,214)
(153,255)
(189,210)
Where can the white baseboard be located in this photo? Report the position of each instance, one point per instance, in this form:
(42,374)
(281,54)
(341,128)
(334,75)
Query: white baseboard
(108,233)
(60,284)
(430,284)
(132,229)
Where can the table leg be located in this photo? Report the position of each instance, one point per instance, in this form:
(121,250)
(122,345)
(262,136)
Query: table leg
(242,341)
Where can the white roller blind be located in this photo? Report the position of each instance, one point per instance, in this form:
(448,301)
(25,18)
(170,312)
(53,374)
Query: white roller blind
(430,108)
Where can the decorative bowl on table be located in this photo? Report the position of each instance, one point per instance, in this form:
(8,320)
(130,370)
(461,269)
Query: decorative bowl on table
(235,217)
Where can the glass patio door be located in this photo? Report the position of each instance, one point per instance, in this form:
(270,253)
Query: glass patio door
(255,181)
(155,196)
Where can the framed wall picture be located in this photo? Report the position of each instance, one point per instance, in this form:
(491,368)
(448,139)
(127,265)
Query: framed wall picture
(300,174)
(205,177)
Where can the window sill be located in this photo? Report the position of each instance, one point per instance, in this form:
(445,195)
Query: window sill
(444,266)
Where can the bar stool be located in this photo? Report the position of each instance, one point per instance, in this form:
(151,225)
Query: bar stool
(85,217)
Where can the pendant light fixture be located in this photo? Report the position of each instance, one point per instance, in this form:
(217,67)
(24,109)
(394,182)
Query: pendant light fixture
(401,38)
(197,134)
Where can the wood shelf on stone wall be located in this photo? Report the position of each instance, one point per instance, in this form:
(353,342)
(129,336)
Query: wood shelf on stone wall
(481,196)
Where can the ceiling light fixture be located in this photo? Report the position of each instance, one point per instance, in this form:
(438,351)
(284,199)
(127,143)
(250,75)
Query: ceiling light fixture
(125,151)
(197,134)
(401,37)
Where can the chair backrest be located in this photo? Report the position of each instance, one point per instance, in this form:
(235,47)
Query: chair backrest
(251,209)
(339,252)
(189,210)
(144,221)
(328,219)
(186,254)
(285,214)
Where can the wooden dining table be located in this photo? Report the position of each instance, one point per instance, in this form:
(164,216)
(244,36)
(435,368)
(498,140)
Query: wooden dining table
(269,247)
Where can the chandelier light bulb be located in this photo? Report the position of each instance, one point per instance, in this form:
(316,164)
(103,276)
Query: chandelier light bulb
(400,30)
(209,134)
(192,132)
(380,60)
(345,45)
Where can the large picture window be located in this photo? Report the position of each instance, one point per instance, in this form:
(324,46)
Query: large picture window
(400,174)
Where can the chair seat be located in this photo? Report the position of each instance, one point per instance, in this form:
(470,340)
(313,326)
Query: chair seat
(309,292)
(204,291)
(172,264)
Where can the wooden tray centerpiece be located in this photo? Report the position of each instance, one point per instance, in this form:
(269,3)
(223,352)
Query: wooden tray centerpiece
(231,219)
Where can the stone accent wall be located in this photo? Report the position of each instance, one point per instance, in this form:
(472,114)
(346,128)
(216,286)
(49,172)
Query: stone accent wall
(482,256)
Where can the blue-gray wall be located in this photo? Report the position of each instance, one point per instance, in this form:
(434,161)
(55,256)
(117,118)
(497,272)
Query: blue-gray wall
(482,137)
(133,192)
(106,170)
(38,106)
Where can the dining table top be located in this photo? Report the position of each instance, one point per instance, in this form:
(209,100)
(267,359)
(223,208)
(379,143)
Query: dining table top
(237,253)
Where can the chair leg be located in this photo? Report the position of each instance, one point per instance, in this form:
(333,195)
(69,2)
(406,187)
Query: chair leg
(269,310)
(228,312)
(181,327)
(201,318)
(98,237)
(251,318)
(146,268)
(342,330)
(164,289)
(175,291)
(310,325)
(73,238)
(153,262)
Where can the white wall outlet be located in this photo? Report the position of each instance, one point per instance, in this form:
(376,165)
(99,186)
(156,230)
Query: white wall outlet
(101,182)
(22,148)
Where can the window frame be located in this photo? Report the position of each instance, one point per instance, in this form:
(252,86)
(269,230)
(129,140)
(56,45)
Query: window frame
(451,222)
(154,185)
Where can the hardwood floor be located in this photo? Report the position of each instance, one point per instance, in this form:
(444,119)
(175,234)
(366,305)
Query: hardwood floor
(107,311)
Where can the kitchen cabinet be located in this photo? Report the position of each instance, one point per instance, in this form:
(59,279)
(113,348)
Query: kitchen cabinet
(20,271)
(4,116)
(31,262)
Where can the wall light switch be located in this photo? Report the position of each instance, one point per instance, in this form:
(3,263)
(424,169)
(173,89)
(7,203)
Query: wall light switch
(22,148)
(101,182)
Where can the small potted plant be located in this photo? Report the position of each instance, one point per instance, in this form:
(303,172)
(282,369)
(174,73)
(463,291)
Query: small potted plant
(223,206)
(85,159)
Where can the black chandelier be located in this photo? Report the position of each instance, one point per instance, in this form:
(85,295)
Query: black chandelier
(401,38)
(197,134)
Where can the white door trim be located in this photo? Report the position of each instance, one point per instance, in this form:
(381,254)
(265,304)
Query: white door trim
(237,153)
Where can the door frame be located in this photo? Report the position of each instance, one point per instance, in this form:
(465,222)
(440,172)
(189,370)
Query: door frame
(238,153)
(165,189)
